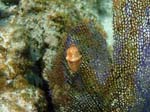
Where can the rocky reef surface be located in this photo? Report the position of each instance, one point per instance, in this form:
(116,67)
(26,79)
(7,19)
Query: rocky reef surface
(30,34)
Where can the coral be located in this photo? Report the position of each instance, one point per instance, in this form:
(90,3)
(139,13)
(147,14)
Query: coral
(35,36)
(128,55)
(12,50)
(122,82)
(13,68)
(91,74)
(30,34)
(11,2)
(23,100)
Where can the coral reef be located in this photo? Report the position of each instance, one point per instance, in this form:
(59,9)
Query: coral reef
(122,83)
(131,56)
(16,93)
(69,86)
(35,36)
(27,99)
(30,34)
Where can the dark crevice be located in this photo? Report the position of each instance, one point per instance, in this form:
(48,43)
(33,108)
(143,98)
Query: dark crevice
(11,2)
(4,14)
(37,69)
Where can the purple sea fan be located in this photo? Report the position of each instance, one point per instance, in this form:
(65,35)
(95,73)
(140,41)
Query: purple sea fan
(100,83)
(132,48)
(91,76)
(89,42)
(93,48)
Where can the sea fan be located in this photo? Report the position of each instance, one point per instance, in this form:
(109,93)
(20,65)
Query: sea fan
(102,83)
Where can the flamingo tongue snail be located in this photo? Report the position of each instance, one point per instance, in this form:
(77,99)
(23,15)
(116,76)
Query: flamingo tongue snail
(73,58)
